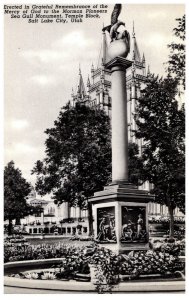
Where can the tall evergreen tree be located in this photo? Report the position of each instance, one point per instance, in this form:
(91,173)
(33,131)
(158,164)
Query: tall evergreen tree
(16,190)
(78,156)
(161,125)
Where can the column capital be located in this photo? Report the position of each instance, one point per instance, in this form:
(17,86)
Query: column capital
(120,62)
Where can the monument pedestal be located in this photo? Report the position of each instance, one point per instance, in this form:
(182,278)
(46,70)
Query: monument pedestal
(121,217)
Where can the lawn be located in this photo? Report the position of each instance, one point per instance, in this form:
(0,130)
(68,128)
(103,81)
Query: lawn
(36,241)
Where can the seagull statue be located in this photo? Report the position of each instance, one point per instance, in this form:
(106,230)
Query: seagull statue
(114,17)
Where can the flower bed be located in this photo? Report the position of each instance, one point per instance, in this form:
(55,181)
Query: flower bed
(43,251)
(14,243)
(109,268)
(169,245)
(14,239)
(59,250)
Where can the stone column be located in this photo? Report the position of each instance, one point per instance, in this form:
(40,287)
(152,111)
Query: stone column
(133,105)
(118,68)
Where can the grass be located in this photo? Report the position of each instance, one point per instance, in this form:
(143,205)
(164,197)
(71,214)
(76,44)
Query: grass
(36,241)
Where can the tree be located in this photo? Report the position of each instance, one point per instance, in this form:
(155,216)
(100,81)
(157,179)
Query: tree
(16,190)
(176,62)
(161,125)
(78,156)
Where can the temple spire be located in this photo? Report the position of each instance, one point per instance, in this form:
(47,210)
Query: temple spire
(133,29)
(144,65)
(148,71)
(104,46)
(81,87)
(92,68)
(143,58)
(72,94)
(102,54)
(136,52)
(88,84)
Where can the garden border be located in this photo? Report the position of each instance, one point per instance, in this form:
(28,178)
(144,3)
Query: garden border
(72,285)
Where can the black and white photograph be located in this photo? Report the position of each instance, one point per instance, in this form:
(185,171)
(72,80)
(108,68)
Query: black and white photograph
(94,147)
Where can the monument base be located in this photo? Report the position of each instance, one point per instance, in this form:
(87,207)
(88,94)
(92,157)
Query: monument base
(120,214)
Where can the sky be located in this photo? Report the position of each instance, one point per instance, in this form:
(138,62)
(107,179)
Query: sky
(41,63)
